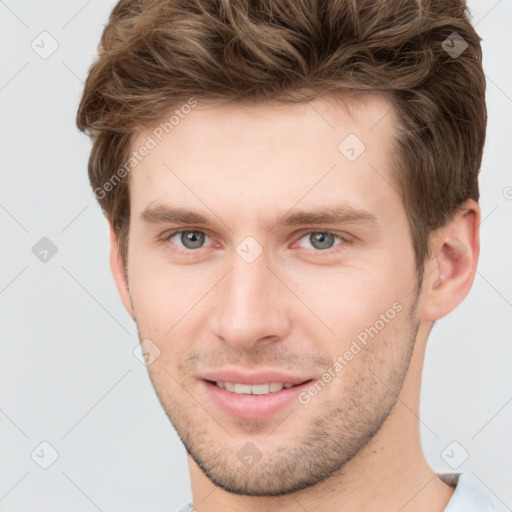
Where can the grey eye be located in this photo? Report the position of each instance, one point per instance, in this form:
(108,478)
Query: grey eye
(321,240)
(191,239)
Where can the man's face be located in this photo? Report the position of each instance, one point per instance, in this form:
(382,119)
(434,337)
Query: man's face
(246,297)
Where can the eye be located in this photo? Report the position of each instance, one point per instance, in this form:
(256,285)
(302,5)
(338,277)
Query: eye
(322,240)
(189,239)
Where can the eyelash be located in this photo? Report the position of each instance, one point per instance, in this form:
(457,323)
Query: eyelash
(345,239)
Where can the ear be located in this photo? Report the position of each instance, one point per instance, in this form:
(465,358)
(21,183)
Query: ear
(118,272)
(451,272)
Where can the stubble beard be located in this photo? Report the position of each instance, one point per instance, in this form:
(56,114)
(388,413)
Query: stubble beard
(353,416)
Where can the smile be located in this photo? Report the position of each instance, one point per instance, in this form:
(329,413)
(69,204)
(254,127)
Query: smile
(254,389)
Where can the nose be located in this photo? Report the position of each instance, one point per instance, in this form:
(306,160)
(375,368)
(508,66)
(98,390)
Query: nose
(250,305)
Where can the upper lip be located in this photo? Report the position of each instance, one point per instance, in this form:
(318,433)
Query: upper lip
(260,377)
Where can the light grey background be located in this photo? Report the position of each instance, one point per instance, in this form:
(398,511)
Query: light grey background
(68,373)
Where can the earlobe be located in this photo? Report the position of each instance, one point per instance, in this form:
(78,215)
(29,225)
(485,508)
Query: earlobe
(118,272)
(456,249)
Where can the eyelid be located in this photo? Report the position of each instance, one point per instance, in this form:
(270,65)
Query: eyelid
(344,237)
(341,234)
(166,237)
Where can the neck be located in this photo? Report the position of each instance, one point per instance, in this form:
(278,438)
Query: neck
(390,473)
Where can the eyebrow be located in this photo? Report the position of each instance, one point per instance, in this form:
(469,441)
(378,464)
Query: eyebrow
(341,214)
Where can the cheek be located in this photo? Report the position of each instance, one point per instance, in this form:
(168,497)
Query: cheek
(172,302)
(365,378)
(168,300)
(346,300)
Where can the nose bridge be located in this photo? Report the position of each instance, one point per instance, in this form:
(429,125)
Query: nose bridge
(248,304)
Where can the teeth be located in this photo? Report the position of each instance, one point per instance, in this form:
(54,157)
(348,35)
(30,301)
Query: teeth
(255,389)
(243,389)
(260,389)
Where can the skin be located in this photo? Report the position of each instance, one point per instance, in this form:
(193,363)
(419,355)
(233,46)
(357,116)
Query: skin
(296,307)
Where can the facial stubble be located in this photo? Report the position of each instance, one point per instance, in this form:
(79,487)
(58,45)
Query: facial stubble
(352,417)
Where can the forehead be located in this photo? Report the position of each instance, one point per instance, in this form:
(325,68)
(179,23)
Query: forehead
(238,157)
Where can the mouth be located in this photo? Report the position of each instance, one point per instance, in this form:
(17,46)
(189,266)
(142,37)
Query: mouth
(242,397)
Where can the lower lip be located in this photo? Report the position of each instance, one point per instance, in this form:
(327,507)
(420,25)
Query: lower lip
(252,407)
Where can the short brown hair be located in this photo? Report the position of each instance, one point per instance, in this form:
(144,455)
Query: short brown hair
(156,54)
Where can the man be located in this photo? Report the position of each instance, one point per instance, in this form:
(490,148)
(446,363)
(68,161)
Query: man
(292,191)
